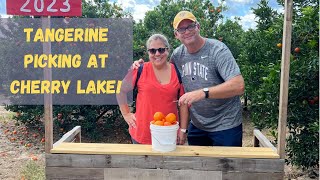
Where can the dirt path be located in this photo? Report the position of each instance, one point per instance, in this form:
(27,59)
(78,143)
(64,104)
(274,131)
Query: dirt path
(13,153)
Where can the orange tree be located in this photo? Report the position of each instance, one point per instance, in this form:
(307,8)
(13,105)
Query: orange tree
(94,120)
(260,61)
(231,34)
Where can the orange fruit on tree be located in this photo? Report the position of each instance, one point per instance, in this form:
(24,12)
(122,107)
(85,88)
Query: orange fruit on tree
(279,45)
(171,118)
(158,116)
(159,123)
(297,50)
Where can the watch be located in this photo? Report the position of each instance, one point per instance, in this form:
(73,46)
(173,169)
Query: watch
(206,91)
(184,130)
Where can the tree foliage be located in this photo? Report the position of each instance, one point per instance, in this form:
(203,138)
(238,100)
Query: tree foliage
(261,64)
(258,52)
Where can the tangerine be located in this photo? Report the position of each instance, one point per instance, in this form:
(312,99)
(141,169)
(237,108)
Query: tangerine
(158,116)
(153,121)
(159,123)
(171,118)
(279,45)
(167,123)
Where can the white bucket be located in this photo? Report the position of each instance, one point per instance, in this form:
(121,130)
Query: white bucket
(164,138)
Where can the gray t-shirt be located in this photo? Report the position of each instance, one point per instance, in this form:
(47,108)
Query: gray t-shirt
(212,65)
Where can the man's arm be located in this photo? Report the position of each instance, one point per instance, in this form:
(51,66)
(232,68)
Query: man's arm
(232,87)
(136,64)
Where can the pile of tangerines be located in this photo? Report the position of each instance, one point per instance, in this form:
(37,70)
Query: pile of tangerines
(161,120)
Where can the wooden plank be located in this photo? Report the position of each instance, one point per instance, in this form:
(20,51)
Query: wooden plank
(74,173)
(54,173)
(47,75)
(284,81)
(164,162)
(70,136)
(263,141)
(159,174)
(138,149)
(252,176)
(224,164)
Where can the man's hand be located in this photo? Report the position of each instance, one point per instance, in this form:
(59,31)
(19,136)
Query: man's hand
(136,64)
(181,138)
(191,97)
(130,118)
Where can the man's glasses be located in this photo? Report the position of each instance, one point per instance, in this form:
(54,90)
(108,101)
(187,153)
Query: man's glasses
(190,28)
(154,51)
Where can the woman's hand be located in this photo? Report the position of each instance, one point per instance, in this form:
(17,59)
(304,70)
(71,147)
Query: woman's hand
(130,118)
(181,138)
(136,64)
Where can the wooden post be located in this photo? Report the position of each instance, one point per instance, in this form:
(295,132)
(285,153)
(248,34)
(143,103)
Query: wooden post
(47,97)
(284,83)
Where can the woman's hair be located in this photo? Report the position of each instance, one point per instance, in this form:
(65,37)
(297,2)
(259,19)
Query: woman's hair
(156,37)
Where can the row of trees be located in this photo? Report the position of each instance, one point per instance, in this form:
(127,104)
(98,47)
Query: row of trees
(257,51)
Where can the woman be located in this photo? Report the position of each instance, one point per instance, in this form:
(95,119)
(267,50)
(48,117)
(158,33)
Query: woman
(158,88)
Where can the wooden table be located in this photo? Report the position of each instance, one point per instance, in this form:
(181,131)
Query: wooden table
(134,161)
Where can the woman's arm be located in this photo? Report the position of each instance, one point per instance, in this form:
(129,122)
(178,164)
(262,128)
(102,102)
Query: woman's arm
(123,103)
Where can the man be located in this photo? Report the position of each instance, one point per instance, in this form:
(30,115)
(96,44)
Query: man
(212,82)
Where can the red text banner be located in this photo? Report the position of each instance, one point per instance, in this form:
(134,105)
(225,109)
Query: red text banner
(44,7)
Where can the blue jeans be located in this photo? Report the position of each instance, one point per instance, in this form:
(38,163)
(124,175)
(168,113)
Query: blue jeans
(229,137)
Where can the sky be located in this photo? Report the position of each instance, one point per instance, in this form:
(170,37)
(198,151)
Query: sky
(236,8)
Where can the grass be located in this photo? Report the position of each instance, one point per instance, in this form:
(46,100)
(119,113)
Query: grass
(33,171)
(5,116)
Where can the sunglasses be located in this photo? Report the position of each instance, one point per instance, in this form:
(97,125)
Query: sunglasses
(190,28)
(154,51)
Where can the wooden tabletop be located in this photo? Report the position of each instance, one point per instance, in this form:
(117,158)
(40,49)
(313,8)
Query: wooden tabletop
(138,149)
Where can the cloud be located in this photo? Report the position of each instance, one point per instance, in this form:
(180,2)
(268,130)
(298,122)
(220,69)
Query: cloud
(280,10)
(140,11)
(223,3)
(247,21)
(127,3)
(242,1)
(137,8)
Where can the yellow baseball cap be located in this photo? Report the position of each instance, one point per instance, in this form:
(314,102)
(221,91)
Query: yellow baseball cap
(182,15)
